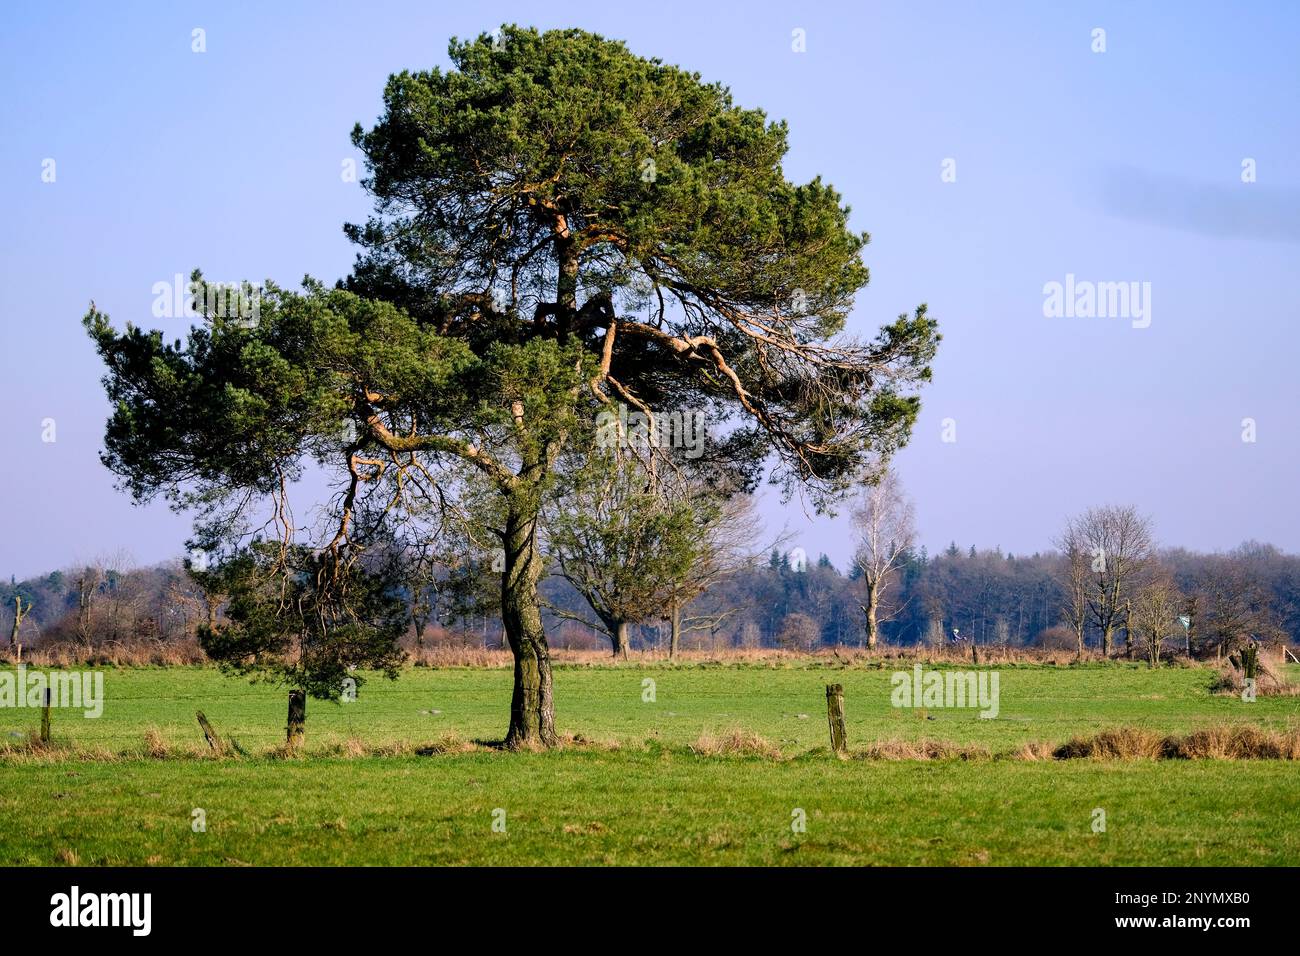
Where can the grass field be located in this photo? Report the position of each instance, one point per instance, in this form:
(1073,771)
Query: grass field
(638,793)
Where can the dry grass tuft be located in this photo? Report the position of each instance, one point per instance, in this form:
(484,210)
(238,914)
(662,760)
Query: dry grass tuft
(735,742)
(450,744)
(1121,743)
(1033,750)
(354,747)
(33,751)
(155,744)
(583,742)
(458,655)
(394,748)
(1243,742)
(921,750)
(142,653)
(285,752)
(1268,683)
(1222,742)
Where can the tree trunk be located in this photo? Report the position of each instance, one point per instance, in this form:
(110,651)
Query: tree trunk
(675,620)
(620,639)
(1078,633)
(532,705)
(83,613)
(566,286)
(14,646)
(295,730)
(873,628)
(1105,641)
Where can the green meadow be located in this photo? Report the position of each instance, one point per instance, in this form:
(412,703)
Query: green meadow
(646,776)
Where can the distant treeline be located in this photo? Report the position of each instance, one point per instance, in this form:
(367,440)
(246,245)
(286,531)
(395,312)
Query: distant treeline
(985,596)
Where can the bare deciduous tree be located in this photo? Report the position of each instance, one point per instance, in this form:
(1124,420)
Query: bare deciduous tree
(726,544)
(88,581)
(1117,542)
(1074,583)
(1233,607)
(1154,612)
(624,540)
(799,632)
(885,524)
(20,612)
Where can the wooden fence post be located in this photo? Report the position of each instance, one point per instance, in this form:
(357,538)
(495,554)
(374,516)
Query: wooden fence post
(209,734)
(835,717)
(297,719)
(45,718)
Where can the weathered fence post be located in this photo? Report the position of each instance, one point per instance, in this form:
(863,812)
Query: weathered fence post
(209,734)
(45,718)
(835,717)
(297,719)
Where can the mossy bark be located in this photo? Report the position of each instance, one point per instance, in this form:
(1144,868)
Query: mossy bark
(835,717)
(532,704)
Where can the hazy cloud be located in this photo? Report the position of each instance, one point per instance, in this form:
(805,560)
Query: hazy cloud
(1233,210)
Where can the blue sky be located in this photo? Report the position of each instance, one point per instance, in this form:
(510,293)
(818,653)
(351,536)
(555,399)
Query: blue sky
(1119,166)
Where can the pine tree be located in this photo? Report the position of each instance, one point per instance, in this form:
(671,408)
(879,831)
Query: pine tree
(562,230)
